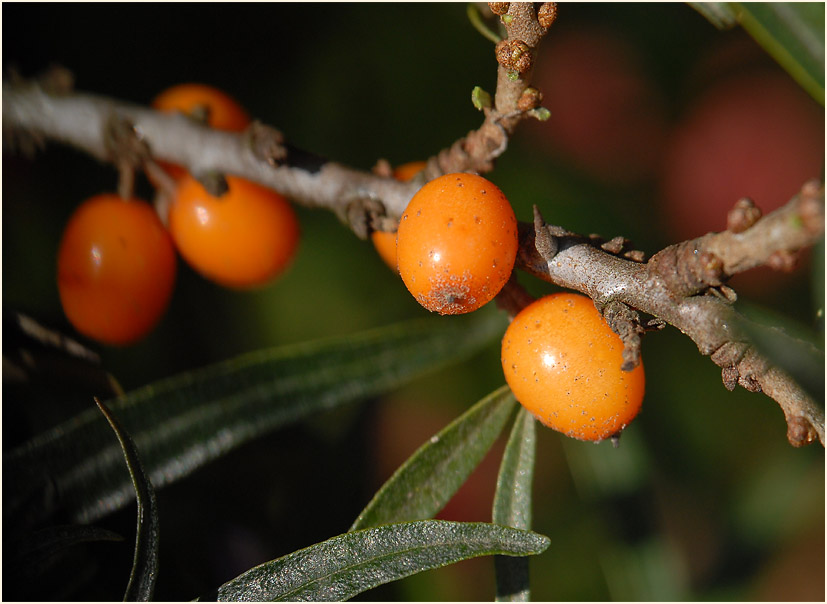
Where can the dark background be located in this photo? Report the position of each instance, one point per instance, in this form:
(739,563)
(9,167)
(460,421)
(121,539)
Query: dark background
(703,500)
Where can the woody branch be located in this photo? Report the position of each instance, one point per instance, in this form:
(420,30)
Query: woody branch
(677,286)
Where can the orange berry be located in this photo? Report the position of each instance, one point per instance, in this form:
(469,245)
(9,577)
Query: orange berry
(221,111)
(457,242)
(115,269)
(242,239)
(385,244)
(562,362)
(406,172)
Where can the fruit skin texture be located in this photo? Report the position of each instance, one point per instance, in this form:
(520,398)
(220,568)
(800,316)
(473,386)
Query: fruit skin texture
(456,243)
(115,269)
(562,362)
(242,239)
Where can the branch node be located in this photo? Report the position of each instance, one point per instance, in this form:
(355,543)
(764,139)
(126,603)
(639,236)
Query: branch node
(364,214)
(529,99)
(783,261)
(213,182)
(811,206)
(800,431)
(57,81)
(743,215)
(544,241)
(514,55)
(625,322)
(126,149)
(547,14)
(499,8)
(686,269)
(266,143)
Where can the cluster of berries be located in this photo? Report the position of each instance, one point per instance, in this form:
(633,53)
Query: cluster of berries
(455,249)
(117,261)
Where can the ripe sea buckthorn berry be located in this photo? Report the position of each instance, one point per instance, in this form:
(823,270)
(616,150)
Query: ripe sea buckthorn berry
(384,242)
(562,362)
(406,172)
(456,244)
(221,110)
(115,269)
(218,110)
(242,239)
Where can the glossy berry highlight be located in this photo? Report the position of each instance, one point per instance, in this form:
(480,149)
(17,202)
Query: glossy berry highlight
(115,269)
(242,239)
(456,244)
(563,364)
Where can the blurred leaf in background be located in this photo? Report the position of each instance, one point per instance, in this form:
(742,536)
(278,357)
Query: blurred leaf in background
(703,500)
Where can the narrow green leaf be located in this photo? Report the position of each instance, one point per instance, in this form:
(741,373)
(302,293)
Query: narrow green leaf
(720,14)
(184,422)
(145,561)
(512,499)
(793,34)
(478,21)
(428,479)
(512,505)
(349,564)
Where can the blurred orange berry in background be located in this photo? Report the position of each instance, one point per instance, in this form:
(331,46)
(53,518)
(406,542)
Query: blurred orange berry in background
(384,242)
(200,101)
(115,269)
(243,239)
(406,172)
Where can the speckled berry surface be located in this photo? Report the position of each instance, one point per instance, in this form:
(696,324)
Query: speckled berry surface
(457,243)
(563,363)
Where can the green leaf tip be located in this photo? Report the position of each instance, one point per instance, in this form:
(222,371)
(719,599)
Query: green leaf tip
(144,573)
(512,505)
(422,485)
(720,14)
(480,98)
(477,20)
(347,565)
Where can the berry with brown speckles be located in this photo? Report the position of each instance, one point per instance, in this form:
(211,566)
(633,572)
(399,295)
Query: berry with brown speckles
(563,363)
(456,244)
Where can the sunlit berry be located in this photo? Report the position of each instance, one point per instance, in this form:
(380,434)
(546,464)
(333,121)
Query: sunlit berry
(563,363)
(457,242)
